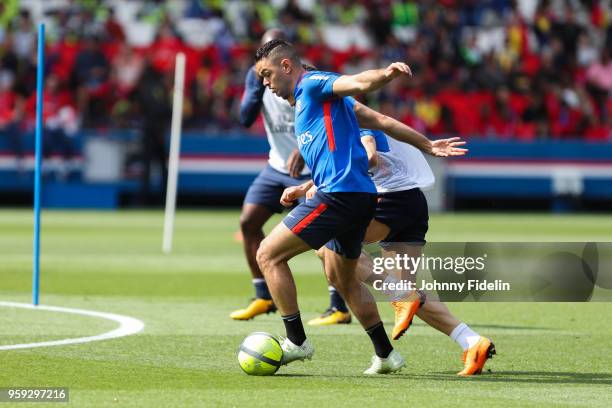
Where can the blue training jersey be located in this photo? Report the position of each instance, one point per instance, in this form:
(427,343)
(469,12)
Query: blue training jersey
(328,136)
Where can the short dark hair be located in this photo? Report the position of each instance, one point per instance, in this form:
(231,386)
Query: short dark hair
(276,49)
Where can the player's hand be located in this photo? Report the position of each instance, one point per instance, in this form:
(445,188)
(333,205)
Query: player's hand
(396,69)
(311,192)
(295,164)
(448,147)
(290,195)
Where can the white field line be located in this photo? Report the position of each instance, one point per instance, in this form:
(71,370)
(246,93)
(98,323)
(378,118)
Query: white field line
(127,326)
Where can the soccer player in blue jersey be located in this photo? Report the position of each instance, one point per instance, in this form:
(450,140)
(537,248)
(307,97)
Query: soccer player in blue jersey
(285,169)
(328,137)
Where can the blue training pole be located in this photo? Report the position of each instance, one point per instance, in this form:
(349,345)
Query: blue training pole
(39,130)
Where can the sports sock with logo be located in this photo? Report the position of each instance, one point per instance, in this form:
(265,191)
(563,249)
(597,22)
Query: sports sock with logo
(464,336)
(261,289)
(294,328)
(336,301)
(380,340)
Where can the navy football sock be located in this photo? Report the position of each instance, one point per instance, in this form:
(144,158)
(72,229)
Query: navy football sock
(261,289)
(336,301)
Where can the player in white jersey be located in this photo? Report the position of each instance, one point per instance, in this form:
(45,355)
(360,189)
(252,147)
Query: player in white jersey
(400,223)
(285,168)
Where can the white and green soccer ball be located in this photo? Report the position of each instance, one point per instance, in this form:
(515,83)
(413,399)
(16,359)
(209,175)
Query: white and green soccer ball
(260,354)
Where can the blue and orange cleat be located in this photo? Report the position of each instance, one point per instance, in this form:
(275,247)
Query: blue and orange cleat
(476,356)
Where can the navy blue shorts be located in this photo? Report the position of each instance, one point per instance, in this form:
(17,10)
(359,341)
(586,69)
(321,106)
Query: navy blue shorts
(336,219)
(268,188)
(405,213)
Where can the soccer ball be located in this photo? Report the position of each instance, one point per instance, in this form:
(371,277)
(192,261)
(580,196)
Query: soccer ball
(260,354)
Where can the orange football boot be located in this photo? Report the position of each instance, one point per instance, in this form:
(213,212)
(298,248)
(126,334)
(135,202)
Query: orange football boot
(404,313)
(475,357)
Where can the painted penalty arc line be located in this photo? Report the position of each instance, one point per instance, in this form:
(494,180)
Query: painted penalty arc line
(127,326)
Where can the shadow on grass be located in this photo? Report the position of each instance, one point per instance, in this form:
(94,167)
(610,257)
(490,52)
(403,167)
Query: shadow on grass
(293,375)
(491,326)
(542,377)
(506,327)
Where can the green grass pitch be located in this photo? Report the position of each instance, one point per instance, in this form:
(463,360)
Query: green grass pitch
(548,354)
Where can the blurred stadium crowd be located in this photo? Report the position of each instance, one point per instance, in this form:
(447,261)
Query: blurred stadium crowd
(522,69)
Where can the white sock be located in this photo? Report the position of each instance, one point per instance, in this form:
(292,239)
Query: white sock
(464,336)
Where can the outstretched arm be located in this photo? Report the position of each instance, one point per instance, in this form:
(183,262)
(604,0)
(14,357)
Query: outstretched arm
(371,119)
(368,81)
(252,99)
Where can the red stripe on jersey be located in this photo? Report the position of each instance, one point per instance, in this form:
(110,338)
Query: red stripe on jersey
(329,127)
(299,227)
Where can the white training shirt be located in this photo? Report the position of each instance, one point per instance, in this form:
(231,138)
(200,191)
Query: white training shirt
(279,121)
(403,167)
